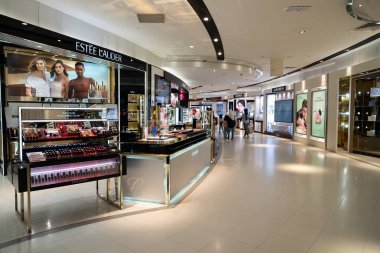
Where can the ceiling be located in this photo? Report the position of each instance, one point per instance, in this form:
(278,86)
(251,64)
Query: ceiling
(252,31)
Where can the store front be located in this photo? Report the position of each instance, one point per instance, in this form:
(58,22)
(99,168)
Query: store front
(358,118)
(279,112)
(74,112)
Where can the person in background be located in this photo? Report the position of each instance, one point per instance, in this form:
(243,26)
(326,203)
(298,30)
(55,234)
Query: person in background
(221,123)
(59,87)
(37,79)
(79,87)
(245,120)
(230,120)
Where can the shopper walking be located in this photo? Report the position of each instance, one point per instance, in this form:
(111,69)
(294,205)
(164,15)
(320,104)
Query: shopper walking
(245,120)
(230,122)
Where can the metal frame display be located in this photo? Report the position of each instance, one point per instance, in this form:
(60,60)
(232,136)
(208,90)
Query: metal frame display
(48,166)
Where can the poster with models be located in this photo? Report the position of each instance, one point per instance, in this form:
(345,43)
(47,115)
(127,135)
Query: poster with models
(55,77)
(301,113)
(319,113)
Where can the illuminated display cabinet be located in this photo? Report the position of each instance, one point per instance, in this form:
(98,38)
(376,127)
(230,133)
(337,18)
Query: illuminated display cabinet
(65,146)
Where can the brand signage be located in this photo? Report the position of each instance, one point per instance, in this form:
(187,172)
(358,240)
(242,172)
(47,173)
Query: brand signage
(96,51)
(239,95)
(279,89)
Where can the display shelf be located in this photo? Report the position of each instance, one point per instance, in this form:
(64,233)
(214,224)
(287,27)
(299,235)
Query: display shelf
(85,150)
(64,138)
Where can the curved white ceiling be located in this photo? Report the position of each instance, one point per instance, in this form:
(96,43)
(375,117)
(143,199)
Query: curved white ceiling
(252,31)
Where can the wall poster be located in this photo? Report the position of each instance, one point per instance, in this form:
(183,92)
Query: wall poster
(270,111)
(319,113)
(55,77)
(301,113)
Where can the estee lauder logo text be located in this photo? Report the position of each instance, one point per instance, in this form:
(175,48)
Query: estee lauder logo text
(99,52)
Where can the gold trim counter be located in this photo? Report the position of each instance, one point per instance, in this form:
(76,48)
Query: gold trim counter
(162,170)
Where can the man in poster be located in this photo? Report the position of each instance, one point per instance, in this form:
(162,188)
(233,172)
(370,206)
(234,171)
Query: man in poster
(79,87)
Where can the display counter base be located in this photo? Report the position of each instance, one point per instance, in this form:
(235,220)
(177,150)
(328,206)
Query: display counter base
(165,179)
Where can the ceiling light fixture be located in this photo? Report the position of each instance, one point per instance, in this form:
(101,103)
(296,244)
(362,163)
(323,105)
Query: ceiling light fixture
(191,46)
(219,53)
(216,40)
(205,19)
(360,5)
(59,40)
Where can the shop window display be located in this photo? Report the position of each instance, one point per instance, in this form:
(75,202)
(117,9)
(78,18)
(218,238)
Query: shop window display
(366,132)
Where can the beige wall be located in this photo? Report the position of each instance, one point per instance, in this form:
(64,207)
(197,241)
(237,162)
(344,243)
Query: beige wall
(41,15)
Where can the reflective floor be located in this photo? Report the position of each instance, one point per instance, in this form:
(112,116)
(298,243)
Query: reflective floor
(265,195)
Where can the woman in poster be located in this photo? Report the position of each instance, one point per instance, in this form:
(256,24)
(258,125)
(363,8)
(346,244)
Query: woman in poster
(301,126)
(59,87)
(37,81)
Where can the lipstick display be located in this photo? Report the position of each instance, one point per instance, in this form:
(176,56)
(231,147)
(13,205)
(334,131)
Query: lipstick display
(74,172)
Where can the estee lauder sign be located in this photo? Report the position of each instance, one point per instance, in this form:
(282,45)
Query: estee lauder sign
(98,51)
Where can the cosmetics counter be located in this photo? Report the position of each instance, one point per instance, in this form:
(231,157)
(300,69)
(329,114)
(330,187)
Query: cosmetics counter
(64,146)
(162,169)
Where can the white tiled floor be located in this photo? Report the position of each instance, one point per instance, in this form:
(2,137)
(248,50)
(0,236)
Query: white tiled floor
(265,195)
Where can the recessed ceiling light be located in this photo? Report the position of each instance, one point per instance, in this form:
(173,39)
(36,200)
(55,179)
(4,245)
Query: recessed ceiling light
(23,23)
(301,31)
(219,53)
(191,46)
(216,40)
(360,5)
(205,19)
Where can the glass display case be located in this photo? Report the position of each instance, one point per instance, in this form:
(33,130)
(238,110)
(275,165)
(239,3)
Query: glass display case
(366,133)
(65,146)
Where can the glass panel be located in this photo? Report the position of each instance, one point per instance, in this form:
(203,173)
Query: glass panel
(366,136)
(343,113)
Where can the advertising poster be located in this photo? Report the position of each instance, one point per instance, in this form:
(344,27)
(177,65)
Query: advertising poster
(319,113)
(259,107)
(54,77)
(270,111)
(220,109)
(240,105)
(301,113)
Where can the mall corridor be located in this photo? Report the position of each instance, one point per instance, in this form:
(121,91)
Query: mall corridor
(264,195)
